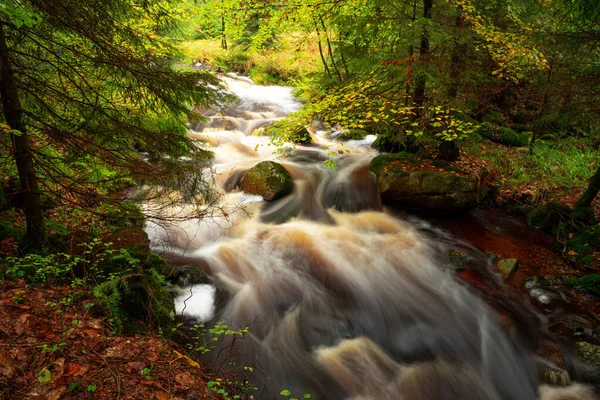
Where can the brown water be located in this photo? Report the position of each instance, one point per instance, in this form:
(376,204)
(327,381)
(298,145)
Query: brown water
(345,299)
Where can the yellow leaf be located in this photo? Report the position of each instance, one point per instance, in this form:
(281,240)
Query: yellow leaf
(191,362)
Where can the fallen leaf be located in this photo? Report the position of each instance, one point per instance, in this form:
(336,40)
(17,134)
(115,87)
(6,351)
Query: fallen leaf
(134,367)
(184,380)
(7,364)
(191,362)
(75,369)
(161,396)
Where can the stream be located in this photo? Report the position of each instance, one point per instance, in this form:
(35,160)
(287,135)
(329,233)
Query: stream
(344,298)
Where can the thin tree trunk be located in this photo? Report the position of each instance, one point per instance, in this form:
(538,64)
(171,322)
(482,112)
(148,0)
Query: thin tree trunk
(330,51)
(11,107)
(409,67)
(223,37)
(456,59)
(419,95)
(591,192)
(543,106)
(327,71)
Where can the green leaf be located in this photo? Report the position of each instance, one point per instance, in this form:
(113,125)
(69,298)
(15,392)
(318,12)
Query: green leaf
(44,376)
(285,393)
(307,396)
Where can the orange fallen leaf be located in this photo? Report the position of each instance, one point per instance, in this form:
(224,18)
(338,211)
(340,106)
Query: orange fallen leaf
(75,369)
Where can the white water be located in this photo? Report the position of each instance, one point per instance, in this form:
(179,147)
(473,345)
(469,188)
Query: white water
(339,304)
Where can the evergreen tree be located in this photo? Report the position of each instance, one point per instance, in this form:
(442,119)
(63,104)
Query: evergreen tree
(86,86)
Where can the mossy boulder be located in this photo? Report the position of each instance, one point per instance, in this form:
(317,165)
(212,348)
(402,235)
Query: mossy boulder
(301,135)
(590,355)
(458,260)
(503,135)
(353,134)
(446,190)
(548,216)
(508,267)
(269,180)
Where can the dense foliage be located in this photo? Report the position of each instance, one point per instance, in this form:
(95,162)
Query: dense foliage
(87,87)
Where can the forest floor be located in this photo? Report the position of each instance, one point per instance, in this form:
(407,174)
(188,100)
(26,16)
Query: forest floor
(52,347)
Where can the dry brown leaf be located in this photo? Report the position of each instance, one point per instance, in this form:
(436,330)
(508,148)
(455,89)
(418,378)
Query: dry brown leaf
(7,364)
(75,369)
(161,396)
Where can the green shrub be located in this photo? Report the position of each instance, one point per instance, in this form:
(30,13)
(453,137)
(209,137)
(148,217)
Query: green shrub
(585,242)
(7,230)
(127,282)
(589,284)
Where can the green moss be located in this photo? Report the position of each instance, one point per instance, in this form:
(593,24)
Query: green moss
(353,134)
(584,243)
(384,159)
(503,135)
(269,180)
(444,165)
(548,216)
(509,137)
(494,118)
(589,284)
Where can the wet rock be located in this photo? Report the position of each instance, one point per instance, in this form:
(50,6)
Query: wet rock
(318,124)
(508,266)
(353,134)
(269,180)
(458,260)
(442,191)
(358,193)
(544,282)
(590,355)
(234,182)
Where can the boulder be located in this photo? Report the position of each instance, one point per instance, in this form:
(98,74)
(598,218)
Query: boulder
(269,180)
(590,355)
(353,134)
(548,216)
(446,190)
(458,260)
(508,266)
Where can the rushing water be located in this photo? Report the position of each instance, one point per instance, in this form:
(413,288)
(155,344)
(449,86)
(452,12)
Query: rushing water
(347,303)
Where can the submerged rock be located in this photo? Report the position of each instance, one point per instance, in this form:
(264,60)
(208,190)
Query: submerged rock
(269,180)
(508,266)
(458,260)
(446,190)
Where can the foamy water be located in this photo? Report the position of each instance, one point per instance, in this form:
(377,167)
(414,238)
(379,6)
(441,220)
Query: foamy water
(343,299)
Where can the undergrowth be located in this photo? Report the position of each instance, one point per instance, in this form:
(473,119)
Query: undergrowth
(553,166)
(293,59)
(127,283)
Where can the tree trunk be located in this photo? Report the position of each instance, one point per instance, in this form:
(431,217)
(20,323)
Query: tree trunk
(11,107)
(223,37)
(330,51)
(419,95)
(590,193)
(456,59)
(321,51)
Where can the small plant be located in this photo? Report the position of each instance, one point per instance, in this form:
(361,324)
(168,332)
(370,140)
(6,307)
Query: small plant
(290,396)
(146,373)
(220,340)
(91,388)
